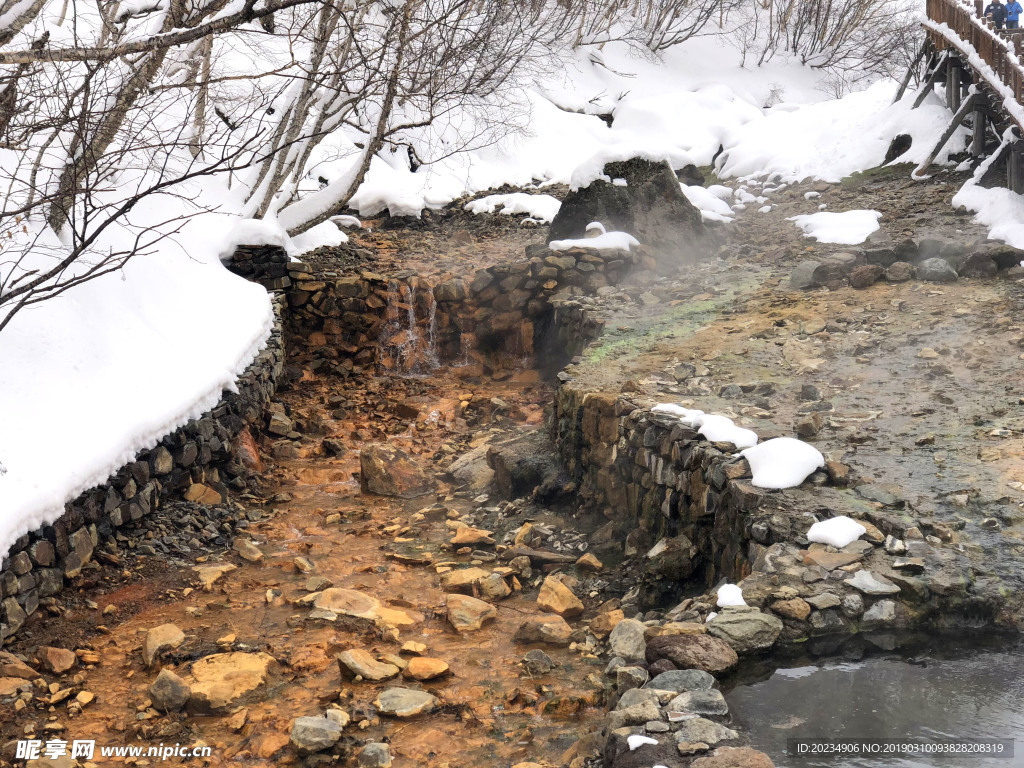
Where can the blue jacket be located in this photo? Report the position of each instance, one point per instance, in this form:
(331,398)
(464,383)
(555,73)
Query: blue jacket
(1013,10)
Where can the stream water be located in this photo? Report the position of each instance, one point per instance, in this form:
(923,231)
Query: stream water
(967,689)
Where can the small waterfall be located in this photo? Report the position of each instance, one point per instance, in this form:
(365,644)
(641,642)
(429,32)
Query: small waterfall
(430,354)
(404,345)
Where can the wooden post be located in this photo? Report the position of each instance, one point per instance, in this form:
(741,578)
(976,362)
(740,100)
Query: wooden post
(979,124)
(910,73)
(931,80)
(953,86)
(1015,167)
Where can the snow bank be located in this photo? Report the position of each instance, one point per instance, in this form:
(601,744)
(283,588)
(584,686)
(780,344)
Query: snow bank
(833,139)
(783,462)
(848,228)
(730,594)
(691,418)
(836,531)
(999,209)
(106,369)
(609,241)
(712,206)
(540,207)
(593,168)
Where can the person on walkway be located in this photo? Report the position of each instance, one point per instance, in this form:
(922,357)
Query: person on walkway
(997,12)
(1013,11)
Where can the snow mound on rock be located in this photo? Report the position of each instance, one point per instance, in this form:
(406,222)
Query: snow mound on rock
(730,594)
(836,531)
(783,462)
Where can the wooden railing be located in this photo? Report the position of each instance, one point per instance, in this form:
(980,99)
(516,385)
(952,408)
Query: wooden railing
(1001,49)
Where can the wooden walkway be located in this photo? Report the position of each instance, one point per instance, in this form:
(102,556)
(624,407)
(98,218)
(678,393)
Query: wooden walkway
(981,70)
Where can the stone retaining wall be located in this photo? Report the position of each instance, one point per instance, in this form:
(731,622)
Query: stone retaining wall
(197,459)
(501,316)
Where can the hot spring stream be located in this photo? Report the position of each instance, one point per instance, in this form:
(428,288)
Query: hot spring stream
(966,690)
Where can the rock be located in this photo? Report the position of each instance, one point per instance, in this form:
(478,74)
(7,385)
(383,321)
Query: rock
(872,584)
(936,270)
(467,536)
(865,276)
(169,693)
(746,631)
(404,702)
(376,754)
(314,734)
(10,686)
(680,680)
(57,660)
(634,714)
(897,147)
(524,463)
(702,729)
(602,624)
(209,574)
(160,639)
(552,630)
(349,602)
(462,579)
(247,550)
(425,668)
(651,207)
(978,264)
(357,662)
(589,563)
(494,587)
(882,612)
(803,276)
(536,662)
(734,757)
(709,702)
(555,597)
(471,469)
(794,608)
(630,677)
(386,471)
(467,614)
(809,424)
(852,605)
(703,652)
(627,640)
(12,666)
(227,679)
(899,272)
(824,601)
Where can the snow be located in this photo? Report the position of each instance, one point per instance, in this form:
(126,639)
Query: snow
(710,616)
(592,169)
(109,367)
(999,209)
(609,241)
(324,234)
(782,462)
(689,417)
(720,429)
(730,594)
(712,207)
(539,207)
(847,228)
(836,531)
(636,741)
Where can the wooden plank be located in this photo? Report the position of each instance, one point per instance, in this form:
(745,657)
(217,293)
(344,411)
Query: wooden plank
(910,73)
(965,109)
(931,80)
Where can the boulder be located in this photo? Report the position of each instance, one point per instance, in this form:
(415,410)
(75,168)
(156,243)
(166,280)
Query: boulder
(159,639)
(12,666)
(978,264)
(386,471)
(336,601)
(225,680)
(536,662)
(709,702)
(899,272)
(804,275)
(425,668)
(376,754)
(680,680)
(359,663)
(404,702)
(703,652)
(169,692)
(651,207)
(314,734)
(746,631)
(524,463)
(794,608)
(897,147)
(555,597)
(57,660)
(707,731)
(627,640)
(936,270)
(467,614)
(550,630)
(866,276)
(462,579)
